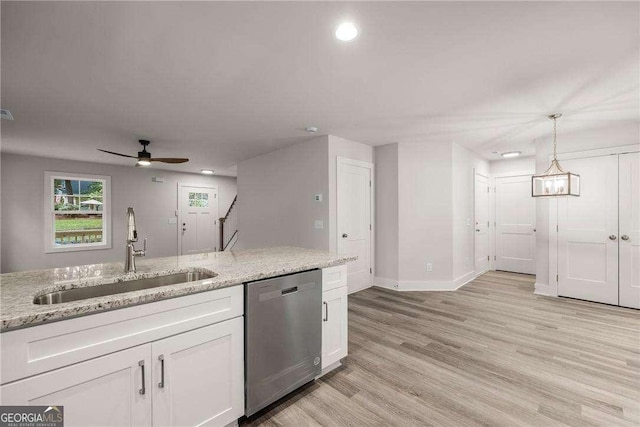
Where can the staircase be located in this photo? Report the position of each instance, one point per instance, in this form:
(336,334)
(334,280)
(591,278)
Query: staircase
(229,227)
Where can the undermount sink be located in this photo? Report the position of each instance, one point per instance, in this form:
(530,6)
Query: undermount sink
(87,292)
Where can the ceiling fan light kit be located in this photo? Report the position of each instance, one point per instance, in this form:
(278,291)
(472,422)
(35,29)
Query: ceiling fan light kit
(555,181)
(144,157)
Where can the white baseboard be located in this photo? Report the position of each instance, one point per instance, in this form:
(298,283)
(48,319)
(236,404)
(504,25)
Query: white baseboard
(359,289)
(423,285)
(543,289)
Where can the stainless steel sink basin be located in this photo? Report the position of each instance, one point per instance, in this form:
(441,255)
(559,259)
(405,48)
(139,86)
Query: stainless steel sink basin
(121,287)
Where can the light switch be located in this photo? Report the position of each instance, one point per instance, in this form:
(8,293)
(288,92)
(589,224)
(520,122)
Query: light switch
(319,224)
(173,220)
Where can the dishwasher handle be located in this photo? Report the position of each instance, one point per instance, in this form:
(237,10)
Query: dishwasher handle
(326,311)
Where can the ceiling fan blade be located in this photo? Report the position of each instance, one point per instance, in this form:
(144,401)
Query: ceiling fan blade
(168,160)
(117,154)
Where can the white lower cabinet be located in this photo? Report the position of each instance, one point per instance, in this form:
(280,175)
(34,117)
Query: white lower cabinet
(193,378)
(334,326)
(199,376)
(107,391)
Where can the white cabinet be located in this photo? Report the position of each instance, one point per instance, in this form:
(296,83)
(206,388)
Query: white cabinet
(107,391)
(334,326)
(193,378)
(198,376)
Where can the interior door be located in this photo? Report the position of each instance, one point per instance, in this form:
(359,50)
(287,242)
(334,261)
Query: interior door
(481,208)
(629,228)
(198,219)
(198,376)
(515,225)
(354,222)
(588,232)
(111,390)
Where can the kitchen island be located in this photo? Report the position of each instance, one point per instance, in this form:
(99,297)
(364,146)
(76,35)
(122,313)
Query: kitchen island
(165,355)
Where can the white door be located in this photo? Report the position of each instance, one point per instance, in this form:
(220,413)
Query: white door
(515,225)
(355,222)
(588,232)
(198,220)
(198,376)
(481,208)
(107,391)
(629,229)
(334,325)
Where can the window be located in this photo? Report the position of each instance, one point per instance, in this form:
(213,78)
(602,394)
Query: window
(77,212)
(198,200)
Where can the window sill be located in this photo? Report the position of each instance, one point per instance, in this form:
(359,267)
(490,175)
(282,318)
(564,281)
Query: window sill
(76,248)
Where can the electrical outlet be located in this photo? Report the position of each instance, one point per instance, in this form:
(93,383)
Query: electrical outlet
(319,224)
(317,198)
(429,267)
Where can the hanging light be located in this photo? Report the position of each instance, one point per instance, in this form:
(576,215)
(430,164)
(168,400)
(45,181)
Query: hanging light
(555,181)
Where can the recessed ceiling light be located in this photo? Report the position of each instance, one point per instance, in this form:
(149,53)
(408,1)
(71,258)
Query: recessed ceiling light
(510,154)
(311,129)
(144,162)
(346,31)
(207,171)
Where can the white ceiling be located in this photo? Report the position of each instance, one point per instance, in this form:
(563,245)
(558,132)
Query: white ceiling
(222,82)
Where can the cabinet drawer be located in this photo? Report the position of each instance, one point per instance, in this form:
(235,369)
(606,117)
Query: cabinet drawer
(30,351)
(334,277)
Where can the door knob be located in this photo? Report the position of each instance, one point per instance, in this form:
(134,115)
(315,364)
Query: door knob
(624,237)
(612,237)
(345,235)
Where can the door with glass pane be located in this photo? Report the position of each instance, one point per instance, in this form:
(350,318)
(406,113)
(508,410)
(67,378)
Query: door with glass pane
(197,225)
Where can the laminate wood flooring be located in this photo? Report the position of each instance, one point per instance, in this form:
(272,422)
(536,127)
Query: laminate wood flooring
(491,353)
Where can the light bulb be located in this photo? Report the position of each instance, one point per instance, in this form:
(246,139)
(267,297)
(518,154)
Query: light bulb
(346,31)
(144,162)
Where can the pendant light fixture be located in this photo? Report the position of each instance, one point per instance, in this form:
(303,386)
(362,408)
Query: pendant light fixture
(555,181)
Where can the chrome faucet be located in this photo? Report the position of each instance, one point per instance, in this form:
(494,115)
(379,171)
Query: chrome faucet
(132,237)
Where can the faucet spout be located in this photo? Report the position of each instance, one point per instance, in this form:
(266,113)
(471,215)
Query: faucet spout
(132,237)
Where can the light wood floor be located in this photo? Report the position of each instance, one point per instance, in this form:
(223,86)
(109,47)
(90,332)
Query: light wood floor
(491,353)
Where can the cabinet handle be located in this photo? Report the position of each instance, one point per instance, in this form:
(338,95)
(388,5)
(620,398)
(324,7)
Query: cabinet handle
(624,237)
(613,237)
(326,310)
(143,389)
(161,359)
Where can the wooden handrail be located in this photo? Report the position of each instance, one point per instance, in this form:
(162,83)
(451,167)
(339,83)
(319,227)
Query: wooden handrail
(221,221)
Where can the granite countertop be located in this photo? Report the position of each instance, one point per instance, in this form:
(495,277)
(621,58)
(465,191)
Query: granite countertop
(17,290)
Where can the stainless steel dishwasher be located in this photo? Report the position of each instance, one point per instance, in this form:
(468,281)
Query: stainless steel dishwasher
(283,336)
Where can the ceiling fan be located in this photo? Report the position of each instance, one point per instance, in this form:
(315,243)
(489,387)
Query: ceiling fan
(144,157)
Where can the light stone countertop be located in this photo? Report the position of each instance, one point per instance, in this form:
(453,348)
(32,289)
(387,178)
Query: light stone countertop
(17,290)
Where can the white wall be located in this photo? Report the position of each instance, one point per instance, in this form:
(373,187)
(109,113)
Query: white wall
(386,206)
(275,197)
(425,211)
(23,216)
(515,166)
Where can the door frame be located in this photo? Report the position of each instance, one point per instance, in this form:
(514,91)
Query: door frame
(372,235)
(179,211)
(490,265)
(553,208)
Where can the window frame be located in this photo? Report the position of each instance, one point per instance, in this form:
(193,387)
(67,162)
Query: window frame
(49,212)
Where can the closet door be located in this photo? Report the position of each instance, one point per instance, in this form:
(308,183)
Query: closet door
(588,232)
(629,237)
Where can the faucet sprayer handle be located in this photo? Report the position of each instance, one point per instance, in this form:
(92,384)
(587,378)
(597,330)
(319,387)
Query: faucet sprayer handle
(144,246)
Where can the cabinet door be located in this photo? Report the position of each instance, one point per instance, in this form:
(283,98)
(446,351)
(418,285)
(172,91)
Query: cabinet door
(107,391)
(629,240)
(334,325)
(198,376)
